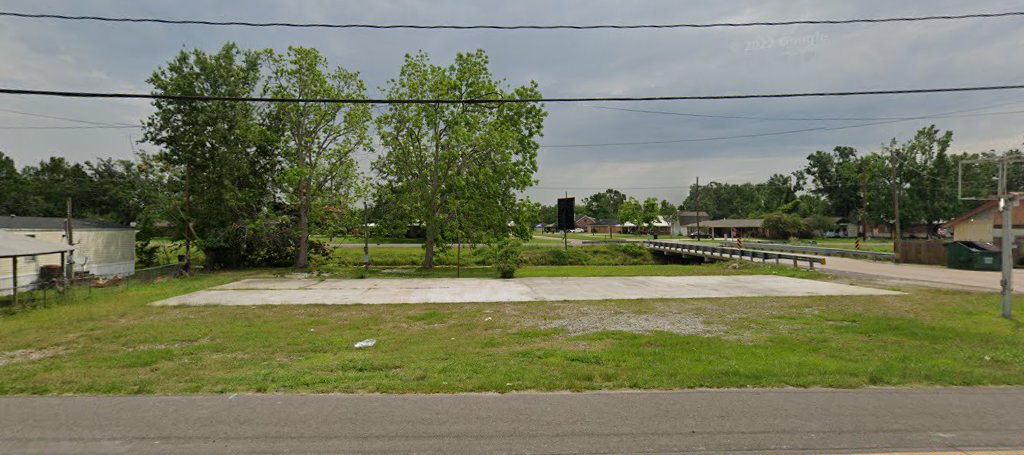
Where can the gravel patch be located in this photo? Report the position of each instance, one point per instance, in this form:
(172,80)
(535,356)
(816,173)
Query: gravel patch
(28,355)
(581,319)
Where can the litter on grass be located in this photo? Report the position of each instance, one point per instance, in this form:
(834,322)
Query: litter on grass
(366,343)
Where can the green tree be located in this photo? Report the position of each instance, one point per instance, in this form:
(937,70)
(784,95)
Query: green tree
(630,211)
(783,225)
(835,178)
(819,224)
(605,204)
(649,212)
(667,209)
(320,138)
(49,184)
(216,157)
(10,187)
(456,168)
(548,214)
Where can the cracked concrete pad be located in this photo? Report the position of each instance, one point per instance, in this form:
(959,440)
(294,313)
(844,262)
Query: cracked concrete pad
(465,290)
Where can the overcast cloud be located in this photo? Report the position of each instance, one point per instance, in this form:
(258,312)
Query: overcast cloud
(90,56)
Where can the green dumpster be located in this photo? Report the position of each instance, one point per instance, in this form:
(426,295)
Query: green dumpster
(973,256)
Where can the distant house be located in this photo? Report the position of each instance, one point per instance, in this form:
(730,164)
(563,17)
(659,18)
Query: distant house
(839,227)
(985,224)
(584,222)
(681,221)
(102,248)
(730,227)
(606,226)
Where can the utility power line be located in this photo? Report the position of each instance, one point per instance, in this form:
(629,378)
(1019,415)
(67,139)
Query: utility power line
(68,119)
(151,20)
(157,96)
(94,127)
(778,133)
(121,125)
(800,119)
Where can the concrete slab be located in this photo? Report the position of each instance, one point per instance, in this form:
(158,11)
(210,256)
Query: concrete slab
(465,290)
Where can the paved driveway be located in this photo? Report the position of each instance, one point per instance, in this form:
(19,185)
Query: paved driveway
(462,290)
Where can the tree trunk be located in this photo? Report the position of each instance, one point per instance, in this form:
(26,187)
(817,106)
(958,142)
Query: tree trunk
(428,255)
(302,255)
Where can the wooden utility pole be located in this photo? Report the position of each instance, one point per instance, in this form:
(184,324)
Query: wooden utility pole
(69,233)
(696,198)
(1006,206)
(896,184)
(366,237)
(14,278)
(188,218)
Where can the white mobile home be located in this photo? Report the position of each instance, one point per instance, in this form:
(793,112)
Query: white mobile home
(102,248)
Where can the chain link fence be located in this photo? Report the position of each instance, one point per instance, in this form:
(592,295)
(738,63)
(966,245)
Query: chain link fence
(56,290)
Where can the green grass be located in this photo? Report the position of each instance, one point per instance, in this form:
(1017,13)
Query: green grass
(360,239)
(721,268)
(113,343)
(604,236)
(882,246)
(536,255)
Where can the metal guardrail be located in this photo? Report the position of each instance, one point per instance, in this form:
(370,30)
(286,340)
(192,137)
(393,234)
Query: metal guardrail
(728,253)
(876,255)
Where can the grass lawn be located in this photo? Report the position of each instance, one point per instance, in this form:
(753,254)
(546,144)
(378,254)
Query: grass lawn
(604,236)
(720,268)
(554,254)
(360,239)
(112,342)
(882,246)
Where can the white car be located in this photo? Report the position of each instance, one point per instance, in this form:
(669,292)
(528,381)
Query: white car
(577,230)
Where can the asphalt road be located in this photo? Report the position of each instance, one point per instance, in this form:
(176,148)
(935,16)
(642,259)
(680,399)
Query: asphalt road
(699,421)
(929,275)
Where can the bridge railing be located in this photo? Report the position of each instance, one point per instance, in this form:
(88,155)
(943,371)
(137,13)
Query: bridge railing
(729,253)
(874,255)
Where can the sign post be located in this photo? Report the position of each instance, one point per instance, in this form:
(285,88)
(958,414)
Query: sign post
(566,217)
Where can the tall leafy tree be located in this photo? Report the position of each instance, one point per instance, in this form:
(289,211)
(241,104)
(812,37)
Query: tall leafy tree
(321,138)
(605,204)
(10,187)
(218,158)
(835,178)
(49,184)
(667,209)
(457,168)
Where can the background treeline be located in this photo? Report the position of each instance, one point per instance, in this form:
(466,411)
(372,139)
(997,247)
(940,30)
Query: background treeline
(844,182)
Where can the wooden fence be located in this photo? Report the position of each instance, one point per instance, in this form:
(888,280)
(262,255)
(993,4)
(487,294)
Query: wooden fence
(931,252)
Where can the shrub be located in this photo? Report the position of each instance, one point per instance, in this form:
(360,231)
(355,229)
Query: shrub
(507,257)
(633,250)
(783,225)
(146,254)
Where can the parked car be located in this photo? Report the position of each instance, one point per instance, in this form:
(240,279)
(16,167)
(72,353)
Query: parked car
(700,235)
(577,230)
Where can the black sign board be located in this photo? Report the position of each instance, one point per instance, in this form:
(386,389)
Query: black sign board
(566,214)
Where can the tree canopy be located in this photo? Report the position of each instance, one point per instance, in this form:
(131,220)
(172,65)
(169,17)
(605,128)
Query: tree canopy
(457,169)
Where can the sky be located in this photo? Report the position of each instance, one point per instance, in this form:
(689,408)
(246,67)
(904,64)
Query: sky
(92,56)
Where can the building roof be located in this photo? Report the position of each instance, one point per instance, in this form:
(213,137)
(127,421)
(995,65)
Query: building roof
(585,216)
(52,223)
(16,245)
(607,221)
(682,214)
(988,205)
(731,223)
(830,219)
